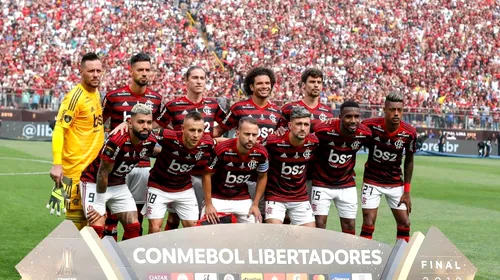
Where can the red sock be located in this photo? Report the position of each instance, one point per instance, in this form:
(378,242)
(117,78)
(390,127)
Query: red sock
(131,231)
(353,232)
(140,217)
(99,230)
(367,231)
(403,233)
(110,229)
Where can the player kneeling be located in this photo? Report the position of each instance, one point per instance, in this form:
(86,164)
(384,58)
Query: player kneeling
(236,161)
(120,154)
(290,155)
(170,182)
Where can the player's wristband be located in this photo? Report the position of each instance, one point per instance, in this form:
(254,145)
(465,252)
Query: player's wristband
(407,187)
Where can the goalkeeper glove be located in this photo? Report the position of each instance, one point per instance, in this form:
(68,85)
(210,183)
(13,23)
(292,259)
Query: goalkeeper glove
(56,200)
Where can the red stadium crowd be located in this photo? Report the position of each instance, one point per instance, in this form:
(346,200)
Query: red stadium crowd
(443,55)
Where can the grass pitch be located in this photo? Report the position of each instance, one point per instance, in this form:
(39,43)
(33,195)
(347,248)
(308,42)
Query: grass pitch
(459,196)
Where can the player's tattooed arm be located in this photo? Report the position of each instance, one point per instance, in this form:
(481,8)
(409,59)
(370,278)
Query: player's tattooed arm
(102,176)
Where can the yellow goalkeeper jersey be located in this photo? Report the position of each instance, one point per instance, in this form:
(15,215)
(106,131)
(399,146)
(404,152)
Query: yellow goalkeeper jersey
(80,115)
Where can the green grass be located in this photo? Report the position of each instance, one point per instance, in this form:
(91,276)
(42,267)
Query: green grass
(459,196)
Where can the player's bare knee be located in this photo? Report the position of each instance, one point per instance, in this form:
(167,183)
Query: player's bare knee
(321,221)
(188,223)
(348,224)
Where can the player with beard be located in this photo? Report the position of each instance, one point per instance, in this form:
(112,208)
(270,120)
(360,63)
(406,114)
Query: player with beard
(103,181)
(258,84)
(173,114)
(290,156)
(170,179)
(339,140)
(77,138)
(312,85)
(390,138)
(117,107)
(235,161)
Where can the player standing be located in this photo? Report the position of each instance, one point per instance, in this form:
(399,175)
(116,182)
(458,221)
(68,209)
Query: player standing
(290,155)
(170,178)
(103,181)
(390,137)
(336,158)
(258,84)
(174,112)
(225,179)
(77,137)
(312,85)
(117,106)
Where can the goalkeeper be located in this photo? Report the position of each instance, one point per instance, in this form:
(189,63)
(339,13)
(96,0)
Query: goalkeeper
(77,139)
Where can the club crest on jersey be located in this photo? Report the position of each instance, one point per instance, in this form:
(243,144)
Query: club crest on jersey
(399,144)
(199,155)
(272,117)
(143,152)
(307,154)
(323,117)
(207,110)
(252,164)
(68,118)
(355,145)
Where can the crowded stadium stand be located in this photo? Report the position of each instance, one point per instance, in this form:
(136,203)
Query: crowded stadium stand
(443,55)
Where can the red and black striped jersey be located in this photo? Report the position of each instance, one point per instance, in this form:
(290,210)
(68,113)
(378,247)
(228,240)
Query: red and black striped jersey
(288,166)
(336,156)
(120,151)
(175,163)
(233,170)
(383,167)
(174,111)
(267,116)
(118,104)
(319,114)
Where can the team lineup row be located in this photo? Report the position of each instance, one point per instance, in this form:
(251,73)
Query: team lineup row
(275,151)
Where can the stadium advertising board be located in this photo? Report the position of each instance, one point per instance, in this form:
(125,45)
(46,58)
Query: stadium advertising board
(455,147)
(242,252)
(27,115)
(26,130)
(458,134)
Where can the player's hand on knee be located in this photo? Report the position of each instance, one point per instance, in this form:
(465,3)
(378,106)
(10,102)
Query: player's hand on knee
(56,201)
(254,210)
(405,198)
(211,214)
(93,216)
(56,173)
(121,128)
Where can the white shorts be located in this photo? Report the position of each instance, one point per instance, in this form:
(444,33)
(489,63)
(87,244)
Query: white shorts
(345,199)
(239,208)
(370,196)
(183,202)
(118,198)
(198,191)
(137,182)
(299,212)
